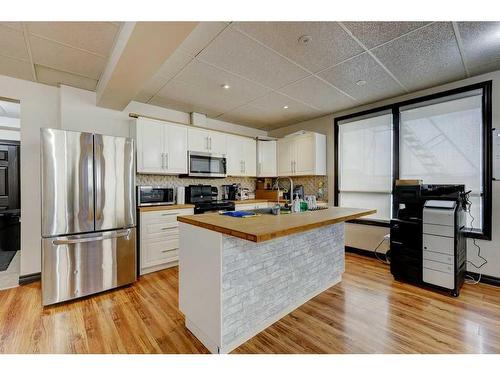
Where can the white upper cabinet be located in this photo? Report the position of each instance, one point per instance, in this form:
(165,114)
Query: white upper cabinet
(241,156)
(302,155)
(267,159)
(286,156)
(161,147)
(202,140)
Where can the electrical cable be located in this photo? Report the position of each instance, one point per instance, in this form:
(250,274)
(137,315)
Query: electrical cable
(376,254)
(468,205)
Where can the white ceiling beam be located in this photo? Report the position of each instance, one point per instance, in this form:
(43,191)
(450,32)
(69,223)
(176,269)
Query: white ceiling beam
(140,50)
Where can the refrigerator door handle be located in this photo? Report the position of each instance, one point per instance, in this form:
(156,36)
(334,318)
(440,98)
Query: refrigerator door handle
(98,188)
(70,241)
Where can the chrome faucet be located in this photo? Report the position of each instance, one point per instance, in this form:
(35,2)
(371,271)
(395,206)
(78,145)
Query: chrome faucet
(277,186)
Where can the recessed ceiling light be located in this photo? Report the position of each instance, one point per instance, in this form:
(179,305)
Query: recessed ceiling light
(225,86)
(361,83)
(285,107)
(304,39)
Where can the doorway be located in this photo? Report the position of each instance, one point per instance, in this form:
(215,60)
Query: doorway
(10,199)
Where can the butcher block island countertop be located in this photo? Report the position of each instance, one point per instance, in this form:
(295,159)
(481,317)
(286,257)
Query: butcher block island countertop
(267,227)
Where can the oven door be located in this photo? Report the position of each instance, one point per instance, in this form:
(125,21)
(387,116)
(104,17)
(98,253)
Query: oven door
(203,164)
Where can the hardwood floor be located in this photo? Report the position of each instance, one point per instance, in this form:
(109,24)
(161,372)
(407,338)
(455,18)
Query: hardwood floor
(368,312)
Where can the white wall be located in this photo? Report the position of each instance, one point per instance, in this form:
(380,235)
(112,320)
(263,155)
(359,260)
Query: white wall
(39,108)
(80,113)
(368,237)
(73,109)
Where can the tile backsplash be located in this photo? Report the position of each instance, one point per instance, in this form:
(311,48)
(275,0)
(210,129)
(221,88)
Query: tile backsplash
(174,181)
(310,183)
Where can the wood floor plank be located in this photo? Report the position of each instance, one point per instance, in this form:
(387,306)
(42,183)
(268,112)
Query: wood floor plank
(368,312)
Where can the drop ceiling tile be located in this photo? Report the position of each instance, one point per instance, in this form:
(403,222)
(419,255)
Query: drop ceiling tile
(56,77)
(174,104)
(239,54)
(246,115)
(379,84)
(210,79)
(329,43)
(13,25)
(12,43)
(314,91)
(201,36)
(424,58)
(174,64)
(481,42)
(199,98)
(373,34)
(96,37)
(272,108)
(57,56)
(151,88)
(15,68)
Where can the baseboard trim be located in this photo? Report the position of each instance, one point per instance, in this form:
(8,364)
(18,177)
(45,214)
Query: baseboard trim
(490,280)
(30,278)
(366,253)
(485,279)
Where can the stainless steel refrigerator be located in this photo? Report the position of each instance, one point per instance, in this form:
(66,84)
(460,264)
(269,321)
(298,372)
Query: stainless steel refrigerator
(88,214)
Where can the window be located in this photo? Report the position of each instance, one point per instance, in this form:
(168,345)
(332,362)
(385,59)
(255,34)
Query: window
(443,138)
(441,143)
(365,164)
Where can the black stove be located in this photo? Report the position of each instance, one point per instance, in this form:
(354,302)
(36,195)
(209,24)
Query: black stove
(204,198)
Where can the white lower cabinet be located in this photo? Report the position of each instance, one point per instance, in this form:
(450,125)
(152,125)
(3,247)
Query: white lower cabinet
(159,239)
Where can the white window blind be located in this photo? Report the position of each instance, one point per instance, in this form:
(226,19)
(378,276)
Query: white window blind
(441,143)
(365,164)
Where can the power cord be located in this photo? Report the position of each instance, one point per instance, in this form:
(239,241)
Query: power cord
(386,261)
(468,205)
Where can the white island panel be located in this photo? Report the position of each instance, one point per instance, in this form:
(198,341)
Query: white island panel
(231,289)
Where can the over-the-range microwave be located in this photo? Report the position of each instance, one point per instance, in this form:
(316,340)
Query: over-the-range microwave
(205,164)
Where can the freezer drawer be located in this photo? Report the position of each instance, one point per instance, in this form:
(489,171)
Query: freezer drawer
(76,266)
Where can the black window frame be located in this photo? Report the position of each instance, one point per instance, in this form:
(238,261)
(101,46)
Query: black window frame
(487,179)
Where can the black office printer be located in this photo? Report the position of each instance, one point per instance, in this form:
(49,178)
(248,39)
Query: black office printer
(427,236)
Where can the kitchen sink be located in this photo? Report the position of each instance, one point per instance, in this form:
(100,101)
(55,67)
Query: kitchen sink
(269,211)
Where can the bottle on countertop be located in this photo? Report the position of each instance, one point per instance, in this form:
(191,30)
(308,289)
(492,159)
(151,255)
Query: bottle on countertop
(296,204)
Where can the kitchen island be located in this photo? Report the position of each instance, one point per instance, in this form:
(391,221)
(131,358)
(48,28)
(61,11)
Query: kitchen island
(237,276)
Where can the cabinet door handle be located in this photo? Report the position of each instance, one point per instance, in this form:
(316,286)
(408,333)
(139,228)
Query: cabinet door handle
(166,160)
(244,166)
(162,161)
(206,143)
(169,214)
(210,142)
(260,168)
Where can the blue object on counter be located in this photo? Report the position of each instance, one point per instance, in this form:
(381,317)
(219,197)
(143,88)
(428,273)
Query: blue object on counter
(239,213)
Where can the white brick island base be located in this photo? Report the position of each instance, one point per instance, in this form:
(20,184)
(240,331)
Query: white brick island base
(230,289)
